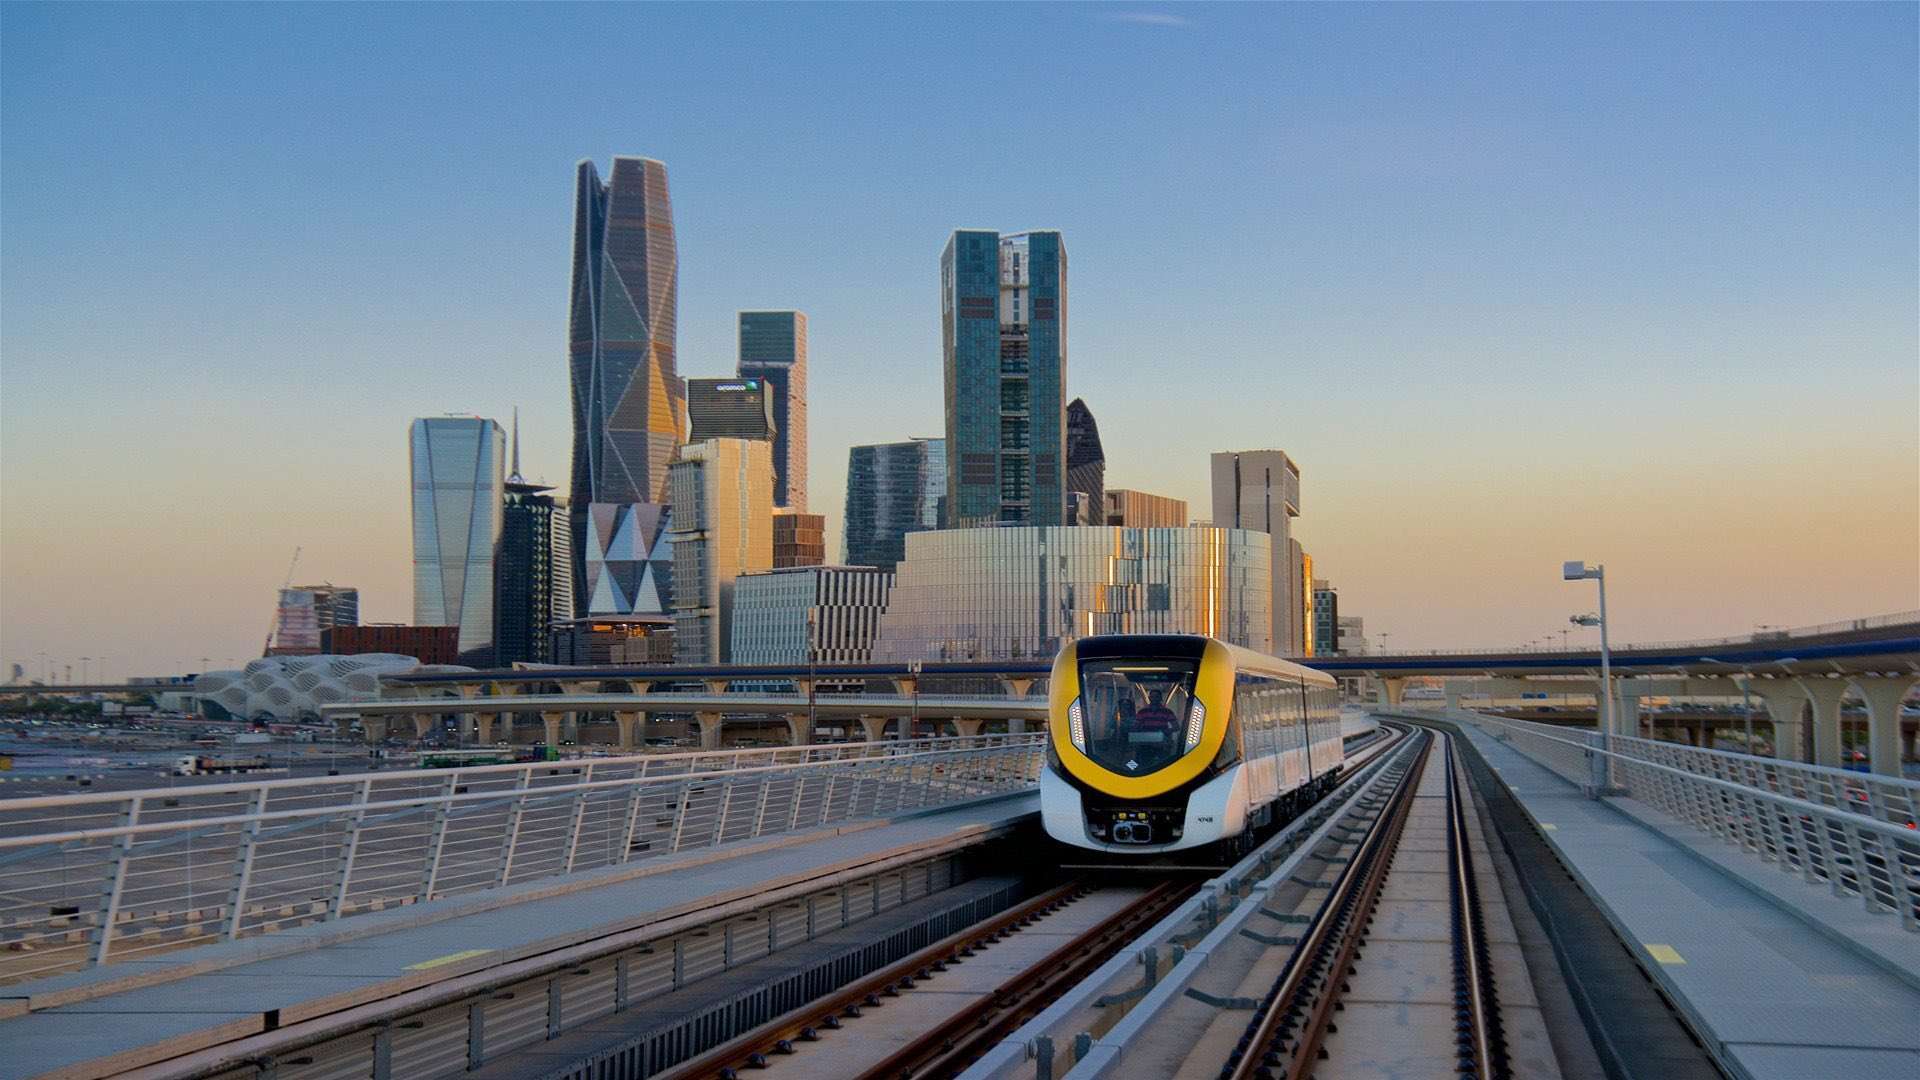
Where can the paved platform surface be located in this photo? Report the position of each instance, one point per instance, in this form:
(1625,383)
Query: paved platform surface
(1769,984)
(98,1022)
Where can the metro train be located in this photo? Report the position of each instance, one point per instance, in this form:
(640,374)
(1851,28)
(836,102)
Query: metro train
(1163,742)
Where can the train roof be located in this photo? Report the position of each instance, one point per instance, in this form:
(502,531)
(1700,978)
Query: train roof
(1193,646)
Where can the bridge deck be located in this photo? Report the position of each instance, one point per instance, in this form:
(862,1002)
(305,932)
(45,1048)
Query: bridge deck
(124,1015)
(1783,979)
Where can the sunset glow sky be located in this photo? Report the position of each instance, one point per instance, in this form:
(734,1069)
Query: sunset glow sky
(1515,284)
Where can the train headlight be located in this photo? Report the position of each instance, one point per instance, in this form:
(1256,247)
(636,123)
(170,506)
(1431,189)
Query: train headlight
(1196,720)
(1077,726)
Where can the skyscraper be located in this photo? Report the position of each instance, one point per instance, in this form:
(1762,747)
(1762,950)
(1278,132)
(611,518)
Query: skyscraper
(773,347)
(1003,312)
(629,405)
(533,588)
(1086,467)
(1260,490)
(892,489)
(722,528)
(459,491)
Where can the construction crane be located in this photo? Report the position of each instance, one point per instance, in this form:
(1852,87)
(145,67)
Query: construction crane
(274,620)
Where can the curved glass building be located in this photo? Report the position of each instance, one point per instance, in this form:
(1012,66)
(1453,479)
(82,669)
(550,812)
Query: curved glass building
(1016,593)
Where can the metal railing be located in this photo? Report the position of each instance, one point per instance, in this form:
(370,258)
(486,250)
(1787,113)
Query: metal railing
(1767,637)
(1856,832)
(89,878)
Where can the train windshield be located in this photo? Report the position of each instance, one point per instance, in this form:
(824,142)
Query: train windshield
(1136,712)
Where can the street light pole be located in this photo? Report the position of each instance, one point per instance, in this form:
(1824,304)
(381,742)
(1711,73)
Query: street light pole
(1578,570)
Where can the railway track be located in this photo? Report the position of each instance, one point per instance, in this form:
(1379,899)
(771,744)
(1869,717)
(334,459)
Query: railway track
(934,1013)
(1294,1033)
(1359,948)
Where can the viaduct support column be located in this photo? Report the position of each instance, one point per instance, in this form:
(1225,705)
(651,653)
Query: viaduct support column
(375,728)
(709,729)
(1784,700)
(627,722)
(1392,690)
(799,730)
(552,721)
(1884,696)
(1825,695)
(874,726)
(968,727)
(422,724)
(1452,688)
(483,728)
(1626,714)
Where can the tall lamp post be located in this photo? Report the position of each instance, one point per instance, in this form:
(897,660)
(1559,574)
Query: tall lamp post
(1577,569)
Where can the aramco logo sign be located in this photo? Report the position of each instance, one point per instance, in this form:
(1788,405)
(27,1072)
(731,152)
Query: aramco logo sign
(737,387)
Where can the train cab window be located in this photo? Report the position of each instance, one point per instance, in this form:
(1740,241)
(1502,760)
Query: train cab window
(1137,712)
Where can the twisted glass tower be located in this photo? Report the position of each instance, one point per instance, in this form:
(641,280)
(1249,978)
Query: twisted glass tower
(629,405)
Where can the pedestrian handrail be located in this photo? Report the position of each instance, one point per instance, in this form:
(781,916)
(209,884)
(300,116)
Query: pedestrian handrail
(1857,833)
(86,879)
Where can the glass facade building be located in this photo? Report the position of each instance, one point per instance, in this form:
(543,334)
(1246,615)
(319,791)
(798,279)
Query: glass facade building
(811,614)
(629,405)
(1003,311)
(1022,593)
(1086,467)
(534,587)
(729,409)
(773,347)
(1326,619)
(458,465)
(1260,490)
(722,527)
(892,489)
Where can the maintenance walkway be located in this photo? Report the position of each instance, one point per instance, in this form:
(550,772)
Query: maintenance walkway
(1783,977)
(215,1009)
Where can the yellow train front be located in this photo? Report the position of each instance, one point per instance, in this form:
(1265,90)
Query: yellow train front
(1163,742)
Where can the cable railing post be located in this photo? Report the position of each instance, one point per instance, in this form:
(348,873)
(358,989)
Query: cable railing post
(578,819)
(116,883)
(437,838)
(516,813)
(243,867)
(635,799)
(349,852)
(720,814)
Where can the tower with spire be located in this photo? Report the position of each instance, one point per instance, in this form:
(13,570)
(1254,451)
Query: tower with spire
(533,585)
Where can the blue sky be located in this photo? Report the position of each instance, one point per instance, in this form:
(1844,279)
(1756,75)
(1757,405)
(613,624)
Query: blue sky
(1515,283)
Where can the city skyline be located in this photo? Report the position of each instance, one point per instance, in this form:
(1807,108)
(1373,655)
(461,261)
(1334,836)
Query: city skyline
(1643,380)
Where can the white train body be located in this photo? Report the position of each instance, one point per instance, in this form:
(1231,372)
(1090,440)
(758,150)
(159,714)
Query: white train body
(1169,742)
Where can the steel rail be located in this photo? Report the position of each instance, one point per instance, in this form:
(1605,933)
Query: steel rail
(948,1048)
(1476,999)
(753,1049)
(1325,950)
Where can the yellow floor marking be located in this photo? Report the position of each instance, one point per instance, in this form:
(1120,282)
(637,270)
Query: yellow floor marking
(1548,826)
(1665,954)
(465,954)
